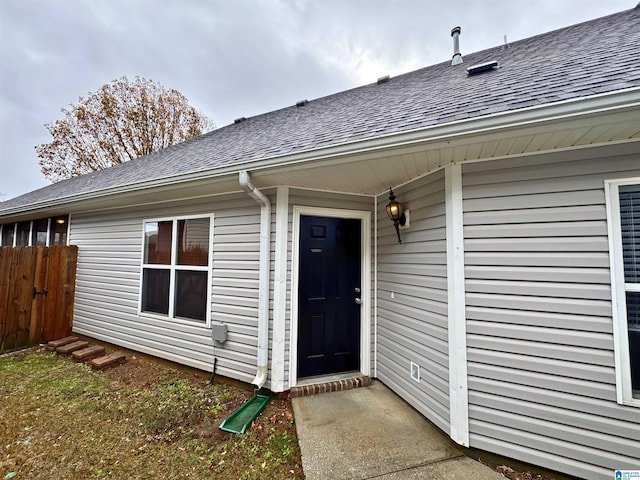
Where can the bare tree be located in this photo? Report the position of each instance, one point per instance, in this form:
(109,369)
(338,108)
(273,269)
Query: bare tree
(121,121)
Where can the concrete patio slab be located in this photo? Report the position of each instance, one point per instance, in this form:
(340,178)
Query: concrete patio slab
(369,433)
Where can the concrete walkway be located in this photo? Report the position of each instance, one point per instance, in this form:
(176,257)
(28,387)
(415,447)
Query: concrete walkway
(369,433)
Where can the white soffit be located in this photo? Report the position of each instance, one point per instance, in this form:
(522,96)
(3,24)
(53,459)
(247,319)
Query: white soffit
(372,172)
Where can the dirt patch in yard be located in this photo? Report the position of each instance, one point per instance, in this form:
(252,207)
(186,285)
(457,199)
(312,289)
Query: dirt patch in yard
(144,419)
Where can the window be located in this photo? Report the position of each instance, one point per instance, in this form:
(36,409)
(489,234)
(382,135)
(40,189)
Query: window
(22,234)
(623,212)
(8,232)
(176,268)
(44,232)
(58,231)
(39,232)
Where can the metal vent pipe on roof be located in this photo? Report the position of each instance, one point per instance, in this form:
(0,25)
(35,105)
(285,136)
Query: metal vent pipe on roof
(457,56)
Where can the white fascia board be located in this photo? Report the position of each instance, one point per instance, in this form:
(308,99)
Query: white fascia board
(457,331)
(618,101)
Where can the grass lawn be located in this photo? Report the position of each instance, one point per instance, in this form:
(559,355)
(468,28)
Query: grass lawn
(143,419)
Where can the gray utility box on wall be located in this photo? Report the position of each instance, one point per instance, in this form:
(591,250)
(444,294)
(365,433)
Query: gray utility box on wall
(219,331)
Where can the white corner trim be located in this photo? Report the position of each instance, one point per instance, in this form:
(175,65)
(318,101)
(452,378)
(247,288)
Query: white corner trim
(365,308)
(375,287)
(622,360)
(458,390)
(280,291)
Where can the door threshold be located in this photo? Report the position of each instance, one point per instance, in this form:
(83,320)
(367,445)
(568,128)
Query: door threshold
(329,383)
(334,377)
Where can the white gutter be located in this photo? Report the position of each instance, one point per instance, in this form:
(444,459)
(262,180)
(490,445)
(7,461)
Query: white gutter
(263,288)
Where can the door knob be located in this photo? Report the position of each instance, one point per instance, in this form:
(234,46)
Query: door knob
(358,300)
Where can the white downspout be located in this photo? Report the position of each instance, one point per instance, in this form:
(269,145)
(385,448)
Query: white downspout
(263,289)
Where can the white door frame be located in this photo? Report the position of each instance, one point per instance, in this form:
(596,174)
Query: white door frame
(365,262)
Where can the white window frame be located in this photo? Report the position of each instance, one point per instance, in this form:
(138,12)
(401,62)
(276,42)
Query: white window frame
(173,268)
(618,292)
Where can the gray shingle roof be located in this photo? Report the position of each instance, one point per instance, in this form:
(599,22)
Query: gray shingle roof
(590,58)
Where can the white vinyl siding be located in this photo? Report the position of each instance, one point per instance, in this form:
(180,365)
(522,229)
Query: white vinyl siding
(412,299)
(108,283)
(109,266)
(542,383)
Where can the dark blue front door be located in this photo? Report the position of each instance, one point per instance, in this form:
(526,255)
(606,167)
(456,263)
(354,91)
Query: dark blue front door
(328,295)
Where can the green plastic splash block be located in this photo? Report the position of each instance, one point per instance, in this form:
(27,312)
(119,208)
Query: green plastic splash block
(239,421)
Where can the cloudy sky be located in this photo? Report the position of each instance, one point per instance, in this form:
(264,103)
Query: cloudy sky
(233,58)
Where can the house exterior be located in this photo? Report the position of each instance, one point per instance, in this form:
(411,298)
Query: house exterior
(509,314)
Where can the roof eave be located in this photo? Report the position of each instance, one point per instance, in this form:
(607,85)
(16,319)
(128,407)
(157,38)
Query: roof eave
(606,103)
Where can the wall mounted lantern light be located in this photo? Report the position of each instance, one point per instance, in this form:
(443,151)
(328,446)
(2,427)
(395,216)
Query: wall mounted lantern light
(395,212)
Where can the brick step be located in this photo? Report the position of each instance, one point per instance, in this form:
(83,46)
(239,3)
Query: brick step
(83,351)
(52,345)
(330,386)
(72,347)
(86,354)
(114,358)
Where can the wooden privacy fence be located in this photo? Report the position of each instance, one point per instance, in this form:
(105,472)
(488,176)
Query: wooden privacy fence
(37,287)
